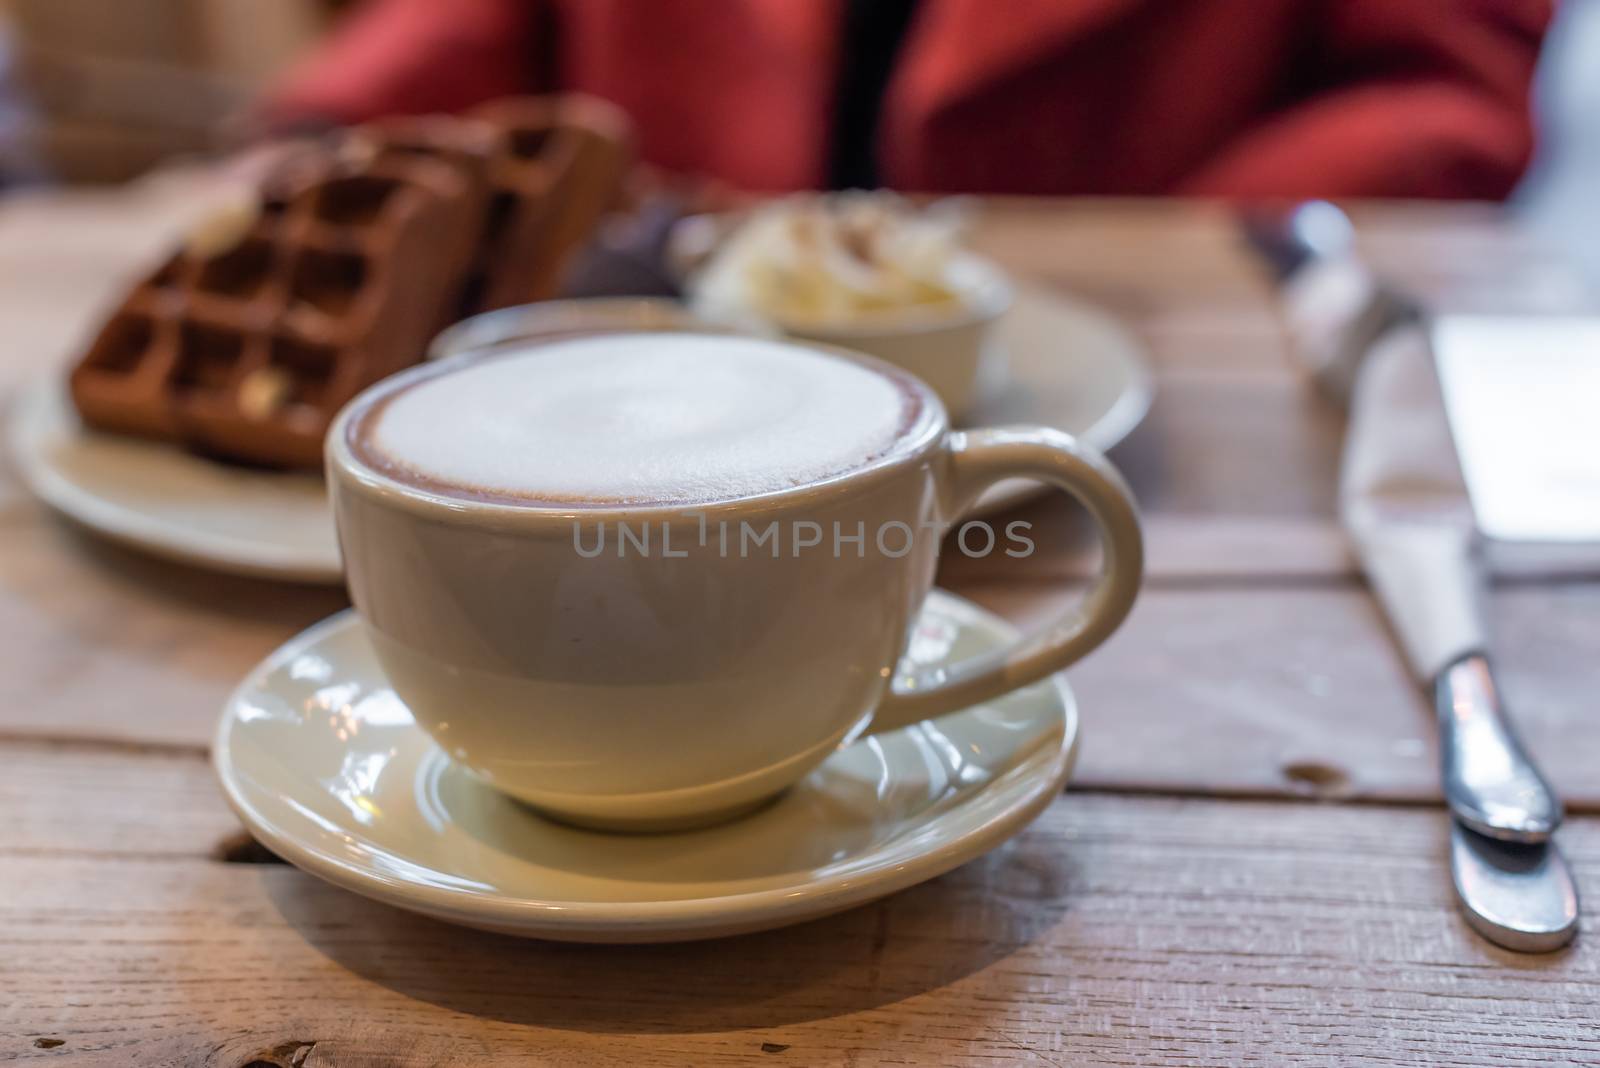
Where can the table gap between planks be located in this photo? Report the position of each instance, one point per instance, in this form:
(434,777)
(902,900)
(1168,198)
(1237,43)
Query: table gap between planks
(1199,898)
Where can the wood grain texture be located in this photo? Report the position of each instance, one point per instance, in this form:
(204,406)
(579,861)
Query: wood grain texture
(1205,689)
(104,642)
(1149,257)
(1235,468)
(1123,928)
(1235,477)
(1239,691)
(1115,931)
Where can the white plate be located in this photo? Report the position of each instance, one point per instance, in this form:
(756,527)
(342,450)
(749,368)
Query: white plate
(325,766)
(170,502)
(1061,363)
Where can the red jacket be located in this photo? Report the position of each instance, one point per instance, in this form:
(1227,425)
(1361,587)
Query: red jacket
(1227,97)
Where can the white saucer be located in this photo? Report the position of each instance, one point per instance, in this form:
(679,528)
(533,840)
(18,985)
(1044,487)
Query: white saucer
(1064,364)
(323,763)
(170,502)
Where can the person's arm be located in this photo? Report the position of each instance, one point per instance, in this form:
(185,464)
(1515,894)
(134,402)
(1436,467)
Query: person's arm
(410,57)
(1424,99)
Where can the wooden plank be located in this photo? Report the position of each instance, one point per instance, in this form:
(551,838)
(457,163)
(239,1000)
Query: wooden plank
(105,642)
(1203,690)
(1466,257)
(1236,446)
(94,800)
(1134,256)
(1277,690)
(1235,468)
(1235,474)
(1141,255)
(1115,931)
(1180,548)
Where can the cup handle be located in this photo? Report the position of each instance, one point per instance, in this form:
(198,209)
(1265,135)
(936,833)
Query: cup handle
(978,459)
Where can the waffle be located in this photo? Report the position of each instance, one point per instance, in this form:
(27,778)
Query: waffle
(551,166)
(243,346)
(560,164)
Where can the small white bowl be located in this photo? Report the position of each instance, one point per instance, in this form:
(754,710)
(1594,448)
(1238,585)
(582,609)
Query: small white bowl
(946,348)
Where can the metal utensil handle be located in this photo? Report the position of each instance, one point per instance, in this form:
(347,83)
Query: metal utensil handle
(1522,897)
(1489,780)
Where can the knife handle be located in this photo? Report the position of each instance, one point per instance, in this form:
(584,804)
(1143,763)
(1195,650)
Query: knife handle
(1489,780)
(1521,897)
(1288,236)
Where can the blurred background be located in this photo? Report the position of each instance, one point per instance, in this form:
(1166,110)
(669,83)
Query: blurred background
(98,91)
(1557,197)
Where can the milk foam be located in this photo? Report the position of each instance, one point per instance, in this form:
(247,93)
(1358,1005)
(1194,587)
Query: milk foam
(641,418)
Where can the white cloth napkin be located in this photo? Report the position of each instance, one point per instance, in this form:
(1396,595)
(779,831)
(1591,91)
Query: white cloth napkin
(1407,511)
(1405,505)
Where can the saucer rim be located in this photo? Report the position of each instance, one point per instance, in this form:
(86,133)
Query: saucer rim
(31,419)
(707,916)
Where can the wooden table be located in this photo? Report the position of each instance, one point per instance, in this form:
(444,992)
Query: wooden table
(1249,869)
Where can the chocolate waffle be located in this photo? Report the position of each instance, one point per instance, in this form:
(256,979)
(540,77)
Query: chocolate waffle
(560,165)
(552,167)
(245,347)
(245,343)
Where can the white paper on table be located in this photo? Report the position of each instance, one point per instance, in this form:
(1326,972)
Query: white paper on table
(1523,397)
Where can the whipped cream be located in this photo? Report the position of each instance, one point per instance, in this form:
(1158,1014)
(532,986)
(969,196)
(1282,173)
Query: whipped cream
(818,261)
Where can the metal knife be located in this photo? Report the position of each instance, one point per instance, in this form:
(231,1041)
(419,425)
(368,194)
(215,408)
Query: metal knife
(1406,508)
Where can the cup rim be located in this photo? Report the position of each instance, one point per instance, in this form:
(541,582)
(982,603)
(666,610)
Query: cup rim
(490,330)
(345,468)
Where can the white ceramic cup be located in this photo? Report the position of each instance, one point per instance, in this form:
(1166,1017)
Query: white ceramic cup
(649,690)
(547,319)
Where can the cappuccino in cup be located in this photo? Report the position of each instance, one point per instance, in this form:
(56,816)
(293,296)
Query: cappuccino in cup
(640,419)
(649,580)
